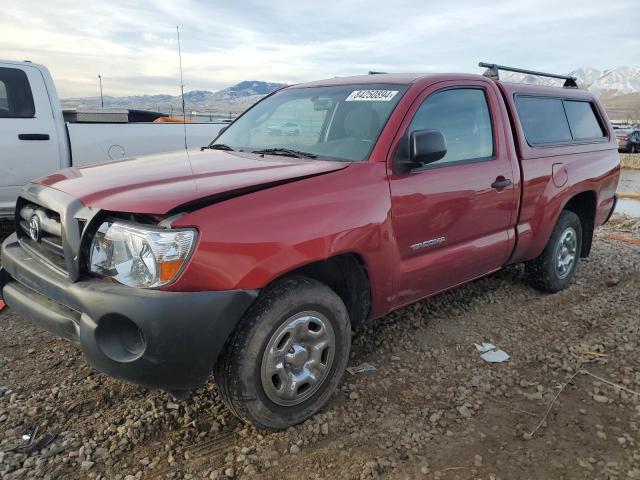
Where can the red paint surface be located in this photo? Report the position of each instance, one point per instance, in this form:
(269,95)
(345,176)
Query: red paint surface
(364,208)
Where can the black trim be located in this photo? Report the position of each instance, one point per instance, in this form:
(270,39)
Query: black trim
(179,334)
(613,208)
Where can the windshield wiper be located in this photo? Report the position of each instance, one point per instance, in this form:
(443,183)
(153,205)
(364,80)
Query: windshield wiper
(286,152)
(218,146)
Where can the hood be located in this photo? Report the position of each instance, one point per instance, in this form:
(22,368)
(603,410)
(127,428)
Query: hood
(158,184)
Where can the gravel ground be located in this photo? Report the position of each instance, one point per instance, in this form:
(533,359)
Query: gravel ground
(432,409)
(630,160)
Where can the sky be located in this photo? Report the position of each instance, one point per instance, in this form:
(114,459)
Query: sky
(132,44)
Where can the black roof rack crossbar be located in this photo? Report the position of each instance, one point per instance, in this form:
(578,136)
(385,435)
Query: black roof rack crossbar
(493,73)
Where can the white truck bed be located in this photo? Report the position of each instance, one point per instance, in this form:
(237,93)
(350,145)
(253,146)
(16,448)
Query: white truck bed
(35,139)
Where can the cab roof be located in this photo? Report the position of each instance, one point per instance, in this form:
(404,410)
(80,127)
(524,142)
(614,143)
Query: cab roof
(396,78)
(412,78)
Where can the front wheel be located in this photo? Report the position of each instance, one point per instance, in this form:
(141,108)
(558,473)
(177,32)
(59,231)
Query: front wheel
(287,355)
(553,270)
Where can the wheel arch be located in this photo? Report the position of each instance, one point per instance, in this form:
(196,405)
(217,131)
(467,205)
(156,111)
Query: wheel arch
(584,205)
(347,275)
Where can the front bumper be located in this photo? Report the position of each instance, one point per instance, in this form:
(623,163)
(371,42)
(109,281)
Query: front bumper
(167,340)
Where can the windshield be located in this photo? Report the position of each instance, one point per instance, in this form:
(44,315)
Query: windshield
(336,123)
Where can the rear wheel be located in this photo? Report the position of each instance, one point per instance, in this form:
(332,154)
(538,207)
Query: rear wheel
(553,270)
(287,355)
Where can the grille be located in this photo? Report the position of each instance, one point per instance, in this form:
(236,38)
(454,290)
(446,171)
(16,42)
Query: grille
(48,233)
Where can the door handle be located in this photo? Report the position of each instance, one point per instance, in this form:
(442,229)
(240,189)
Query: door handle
(501,182)
(33,136)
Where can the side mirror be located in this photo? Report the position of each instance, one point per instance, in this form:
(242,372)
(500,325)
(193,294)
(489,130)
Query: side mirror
(425,146)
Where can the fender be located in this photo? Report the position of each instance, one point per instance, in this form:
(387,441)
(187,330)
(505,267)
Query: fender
(282,229)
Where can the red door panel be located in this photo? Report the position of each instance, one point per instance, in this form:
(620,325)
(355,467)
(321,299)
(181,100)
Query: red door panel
(450,224)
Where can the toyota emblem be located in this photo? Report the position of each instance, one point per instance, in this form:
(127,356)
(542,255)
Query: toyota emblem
(34,228)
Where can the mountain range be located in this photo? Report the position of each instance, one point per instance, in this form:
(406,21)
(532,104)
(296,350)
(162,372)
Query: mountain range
(618,88)
(615,81)
(232,100)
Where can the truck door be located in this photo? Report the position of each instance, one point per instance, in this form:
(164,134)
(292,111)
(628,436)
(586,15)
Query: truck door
(28,138)
(454,219)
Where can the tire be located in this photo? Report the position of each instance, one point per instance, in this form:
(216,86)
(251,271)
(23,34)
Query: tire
(253,377)
(546,272)
(634,149)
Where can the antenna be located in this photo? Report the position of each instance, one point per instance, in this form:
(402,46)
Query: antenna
(184,115)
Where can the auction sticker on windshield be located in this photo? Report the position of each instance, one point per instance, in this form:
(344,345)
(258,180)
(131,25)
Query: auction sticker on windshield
(371,95)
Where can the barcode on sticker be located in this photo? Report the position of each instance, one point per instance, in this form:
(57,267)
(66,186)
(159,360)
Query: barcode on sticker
(371,95)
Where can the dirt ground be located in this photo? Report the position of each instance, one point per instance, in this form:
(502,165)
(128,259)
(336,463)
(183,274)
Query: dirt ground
(433,408)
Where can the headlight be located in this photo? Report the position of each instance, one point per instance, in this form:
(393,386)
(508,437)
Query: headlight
(139,256)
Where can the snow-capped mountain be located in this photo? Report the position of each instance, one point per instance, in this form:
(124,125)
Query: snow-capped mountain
(620,81)
(612,82)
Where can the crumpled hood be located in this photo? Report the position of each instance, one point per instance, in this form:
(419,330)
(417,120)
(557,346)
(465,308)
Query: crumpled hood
(157,184)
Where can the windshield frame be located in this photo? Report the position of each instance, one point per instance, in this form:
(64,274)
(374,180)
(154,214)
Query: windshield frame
(402,88)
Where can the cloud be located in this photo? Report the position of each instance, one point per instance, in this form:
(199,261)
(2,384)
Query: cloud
(133,44)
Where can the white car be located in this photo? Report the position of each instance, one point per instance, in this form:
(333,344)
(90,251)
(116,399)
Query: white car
(285,128)
(35,139)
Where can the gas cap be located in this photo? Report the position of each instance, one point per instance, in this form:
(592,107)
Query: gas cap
(116,152)
(559,175)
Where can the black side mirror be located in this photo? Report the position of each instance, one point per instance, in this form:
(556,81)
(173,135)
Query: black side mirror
(425,146)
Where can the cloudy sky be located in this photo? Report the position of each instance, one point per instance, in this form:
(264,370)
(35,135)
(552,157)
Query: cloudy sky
(132,44)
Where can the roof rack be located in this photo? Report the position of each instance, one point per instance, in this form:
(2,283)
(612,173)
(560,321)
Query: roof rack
(373,72)
(492,71)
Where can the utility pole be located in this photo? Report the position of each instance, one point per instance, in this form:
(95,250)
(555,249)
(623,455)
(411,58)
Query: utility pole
(101,97)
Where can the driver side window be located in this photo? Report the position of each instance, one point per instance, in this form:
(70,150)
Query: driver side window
(462,116)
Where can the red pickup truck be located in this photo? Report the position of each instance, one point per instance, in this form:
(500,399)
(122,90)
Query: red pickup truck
(257,256)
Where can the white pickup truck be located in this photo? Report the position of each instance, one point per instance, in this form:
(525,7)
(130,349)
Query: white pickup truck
(35,139)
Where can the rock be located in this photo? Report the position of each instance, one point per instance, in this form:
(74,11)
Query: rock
(173,406)
(612,282)
(584,464)
(622,441)
(464,411)
(87,465)
(601,398)
(324,429)
(634,474)
(294,450)
(371,465)
(477,460)
(230,472)
(353,396)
